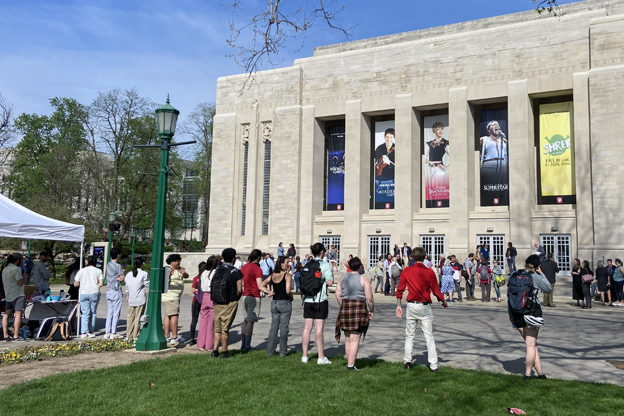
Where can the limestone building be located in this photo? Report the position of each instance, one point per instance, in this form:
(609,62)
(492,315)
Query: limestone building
(508,129)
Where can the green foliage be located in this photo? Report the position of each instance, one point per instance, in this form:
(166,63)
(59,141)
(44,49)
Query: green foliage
(290,387)
(40,352)
(140,248)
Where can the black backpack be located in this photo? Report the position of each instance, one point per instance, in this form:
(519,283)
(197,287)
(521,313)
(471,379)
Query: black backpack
(220,287)
(310,279)
(520,292)
(484,276)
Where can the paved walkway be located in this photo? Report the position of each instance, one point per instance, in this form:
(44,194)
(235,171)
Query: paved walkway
(575,344)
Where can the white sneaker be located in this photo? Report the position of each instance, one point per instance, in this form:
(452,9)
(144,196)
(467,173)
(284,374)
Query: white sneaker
(83,335)
(169,339)
(323,360)
(91,335)
(173,341)
(304,359)
(180,339)
(108,336)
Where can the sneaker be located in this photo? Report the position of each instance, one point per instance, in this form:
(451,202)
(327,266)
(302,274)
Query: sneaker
(214,354)
(304,359)
(180,340)
(192,342)
(107,336)
(8,339)
(169,339)
(353,368)
(19,339)
(542,376)
(407,366)
(433,370)
(527,377)
(83,335)
(90,335)
(323,361)
(225,354)
(173,342)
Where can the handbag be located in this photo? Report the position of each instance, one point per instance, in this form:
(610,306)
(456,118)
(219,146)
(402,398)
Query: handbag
(587,278)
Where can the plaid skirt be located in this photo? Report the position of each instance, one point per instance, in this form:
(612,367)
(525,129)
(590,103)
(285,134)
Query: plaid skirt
(353,316)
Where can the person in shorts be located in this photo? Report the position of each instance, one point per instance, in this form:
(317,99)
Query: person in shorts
(224,314)
(316,309)
(252,279)
(13,281)
(171,299)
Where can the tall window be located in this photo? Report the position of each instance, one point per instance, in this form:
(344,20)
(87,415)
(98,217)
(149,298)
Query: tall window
(244,208)
(265,187)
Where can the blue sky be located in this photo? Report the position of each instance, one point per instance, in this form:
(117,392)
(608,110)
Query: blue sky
(77,48)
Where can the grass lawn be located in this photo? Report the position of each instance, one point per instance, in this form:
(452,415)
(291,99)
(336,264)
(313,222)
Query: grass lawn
(255,384)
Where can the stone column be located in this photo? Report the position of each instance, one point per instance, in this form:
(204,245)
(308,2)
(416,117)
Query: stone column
(522,192)
(254,181)
(222,183)
(583,167)
(407,172)
(311,171)
(357,176)
(461,175)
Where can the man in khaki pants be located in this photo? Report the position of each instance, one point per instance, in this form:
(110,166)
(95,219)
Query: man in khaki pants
(550,270)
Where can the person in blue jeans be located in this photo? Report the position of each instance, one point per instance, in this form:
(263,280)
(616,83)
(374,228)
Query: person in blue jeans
(497,271)
(89,281)
(297,266)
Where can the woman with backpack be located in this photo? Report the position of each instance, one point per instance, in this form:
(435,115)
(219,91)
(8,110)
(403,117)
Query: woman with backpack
(499,279)
(205,335)
(587,277)
(525,312)
(198,296)
(485,280)
(281,305)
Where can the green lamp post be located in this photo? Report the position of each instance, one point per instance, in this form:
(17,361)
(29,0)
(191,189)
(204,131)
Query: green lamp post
(152,335)
(111,225)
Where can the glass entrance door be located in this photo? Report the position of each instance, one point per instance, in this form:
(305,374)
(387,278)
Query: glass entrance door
(560,247)
(378,245)
(331,240)
(434,245)
(496,244)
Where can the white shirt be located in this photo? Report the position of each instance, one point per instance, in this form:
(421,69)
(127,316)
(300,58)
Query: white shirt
(88,278)
(206,279)
(135,288)
(238,264)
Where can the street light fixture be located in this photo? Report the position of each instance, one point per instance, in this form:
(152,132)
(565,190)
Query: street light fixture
(152,335)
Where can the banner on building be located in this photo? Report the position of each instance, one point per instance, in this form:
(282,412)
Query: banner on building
(556,153)
(335,168)
(494,163)
(383,165)
(436,146)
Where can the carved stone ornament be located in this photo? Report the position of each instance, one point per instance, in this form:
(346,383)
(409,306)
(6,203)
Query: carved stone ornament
(267,130)
(245,133)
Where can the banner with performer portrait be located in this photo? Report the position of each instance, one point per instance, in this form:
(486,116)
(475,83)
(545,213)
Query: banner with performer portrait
(436,146)
(493,161)
(335,168)
(383,165)
(556,153)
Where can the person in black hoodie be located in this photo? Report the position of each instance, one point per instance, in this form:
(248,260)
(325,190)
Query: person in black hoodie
(550,270)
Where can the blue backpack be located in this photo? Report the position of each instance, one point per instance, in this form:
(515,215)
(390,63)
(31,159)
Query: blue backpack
(520,291)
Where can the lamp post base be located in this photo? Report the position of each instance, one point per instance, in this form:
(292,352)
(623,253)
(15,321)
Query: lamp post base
(152,338)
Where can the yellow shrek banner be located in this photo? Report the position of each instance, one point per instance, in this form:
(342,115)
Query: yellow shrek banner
(556,150)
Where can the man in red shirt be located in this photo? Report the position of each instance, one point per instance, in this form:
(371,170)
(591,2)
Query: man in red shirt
(420,282)
(252,279)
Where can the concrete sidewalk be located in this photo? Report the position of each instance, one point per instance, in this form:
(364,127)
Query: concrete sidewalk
(575,343)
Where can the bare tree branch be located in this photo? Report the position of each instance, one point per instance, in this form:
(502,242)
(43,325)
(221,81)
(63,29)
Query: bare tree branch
(259,40)
(548,6)
(6,129)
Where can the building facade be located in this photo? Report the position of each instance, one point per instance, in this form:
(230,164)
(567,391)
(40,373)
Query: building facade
(506,128)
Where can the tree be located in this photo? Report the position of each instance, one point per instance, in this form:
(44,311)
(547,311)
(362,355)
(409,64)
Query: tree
(6,136)
(198,125)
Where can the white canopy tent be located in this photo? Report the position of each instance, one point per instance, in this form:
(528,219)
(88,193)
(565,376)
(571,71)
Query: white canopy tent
(17,221)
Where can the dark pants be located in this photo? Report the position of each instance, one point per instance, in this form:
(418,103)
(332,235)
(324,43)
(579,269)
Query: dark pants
(619,292)
(470,287)
(195,309)
(387,286)
(587,293)
(458,289)
(486,289)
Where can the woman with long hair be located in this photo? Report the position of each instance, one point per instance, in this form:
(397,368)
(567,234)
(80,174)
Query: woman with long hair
(528,324)
(602,278)
(205,335)
(618,280)
(70,275)
(281,305)
(577,283)
(585,270)
(136,282)
(198,297)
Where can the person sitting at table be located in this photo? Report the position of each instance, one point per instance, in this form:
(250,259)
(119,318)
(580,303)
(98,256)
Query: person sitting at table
(89,280)
(40,273)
